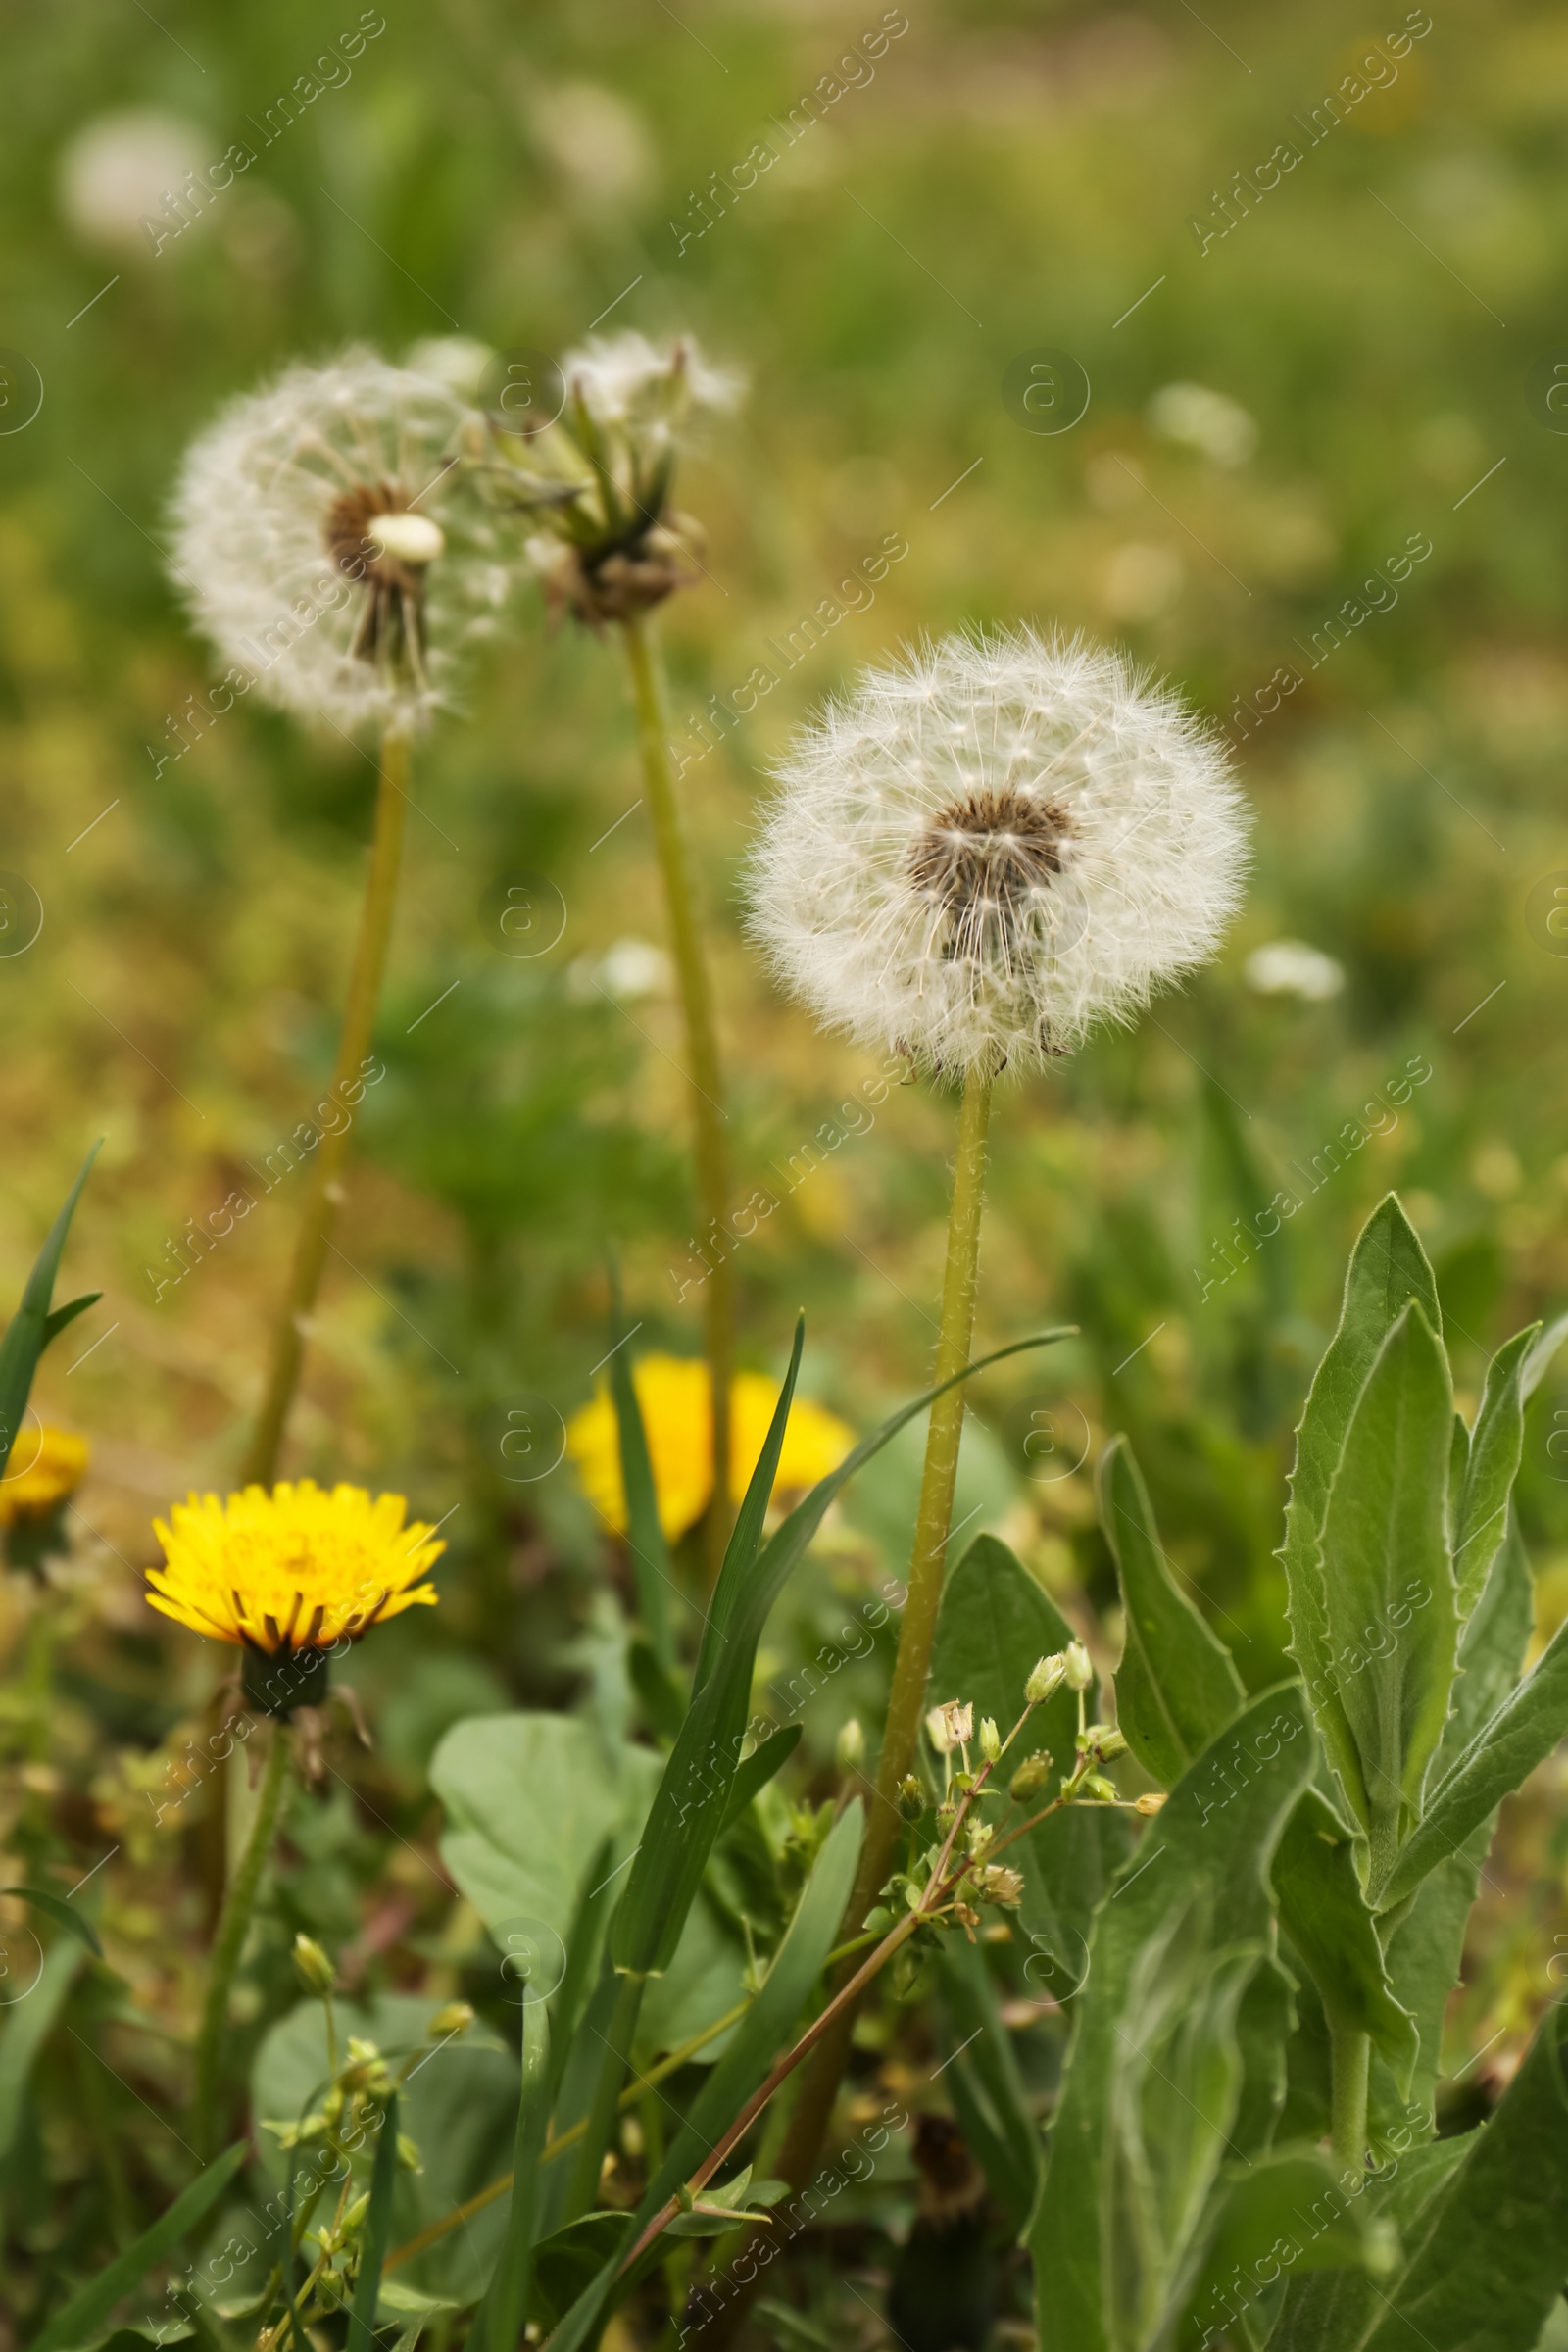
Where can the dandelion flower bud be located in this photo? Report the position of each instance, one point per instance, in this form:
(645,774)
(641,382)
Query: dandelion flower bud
(1078,1670)
(1045,1679)
(993,847)
(313,1965)
(332,545)
(989,1740)
(1153,1802)
(849,1747)
(1031,1776)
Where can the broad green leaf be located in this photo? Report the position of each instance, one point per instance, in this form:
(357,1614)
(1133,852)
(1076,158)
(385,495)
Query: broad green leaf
(377,2234)
(1507,1749)
(1176,1683)
(1422,1955)
(1156,2075)
(58,1908)
(1324,1913)
(1331,2311)
(995,1622)
(1488,2263)
(1492,1649)
(32,1326)
(1389,1580)
(691,1799)
(984,2081)
(1282,2217)
(85,2312)
(651,1573)
(1491,1464)
(26,2025)
(499,2322)
(1387,1269)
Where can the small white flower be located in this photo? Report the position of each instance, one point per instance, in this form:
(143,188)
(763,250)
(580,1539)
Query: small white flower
(993,847)
(1289,967)
(1218,427)
(331,545)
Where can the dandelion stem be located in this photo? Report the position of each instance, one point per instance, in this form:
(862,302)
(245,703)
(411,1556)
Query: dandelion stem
(348,1085)
(702,1053)
(927,1571)
(1350,2057)
(233,1928)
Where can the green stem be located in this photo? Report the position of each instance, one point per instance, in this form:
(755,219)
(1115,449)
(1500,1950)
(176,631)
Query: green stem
(927,1572)
(702,1053)
(1350,2054)
(583,2194)
(347,1085)
(232,1929)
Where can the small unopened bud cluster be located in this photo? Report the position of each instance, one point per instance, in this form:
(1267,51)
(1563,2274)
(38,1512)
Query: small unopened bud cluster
(1071,1666)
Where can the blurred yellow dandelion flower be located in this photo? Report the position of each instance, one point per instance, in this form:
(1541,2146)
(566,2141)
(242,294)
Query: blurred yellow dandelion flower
(675,1396)
(32,1493)
(297,1569)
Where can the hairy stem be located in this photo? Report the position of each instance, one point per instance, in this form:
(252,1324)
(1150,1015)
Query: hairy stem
(702,1055)
(1351,2055)
(232,1929)
(348,1085)
(927,1573)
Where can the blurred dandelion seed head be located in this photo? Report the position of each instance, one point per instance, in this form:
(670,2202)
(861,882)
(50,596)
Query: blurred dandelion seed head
(332,544)
(1289,967)
(991,848)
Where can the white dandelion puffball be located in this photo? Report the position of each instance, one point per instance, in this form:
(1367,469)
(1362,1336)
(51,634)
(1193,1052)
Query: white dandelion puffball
(994,846)
(1289,967)
(622,376)
(331,545)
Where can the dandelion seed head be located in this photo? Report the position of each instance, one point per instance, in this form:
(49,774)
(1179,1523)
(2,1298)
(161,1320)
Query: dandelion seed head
(991,846)
(331,545)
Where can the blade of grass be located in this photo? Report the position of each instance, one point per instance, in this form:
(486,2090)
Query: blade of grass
(86,2311)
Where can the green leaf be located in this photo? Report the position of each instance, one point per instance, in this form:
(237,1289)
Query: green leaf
(1158,2074)
(58,1908)
(651,1573)
(1492,1649)
(1388,1581)
(1539,1361)
(87,2310)
(984,2081)
(1491,1464)
(689,1805)
(1387,1269)
(499,2322)
(55,1323)
(755,1771)
(1488,2264)
(1324,1913)
(1507,1749)
(1332,2311)
(376,2236)
(1176,1684)
(1422,1955)
(29,1333)
(995,1622)
(1284,2216)
(29,2022)
(570,2261)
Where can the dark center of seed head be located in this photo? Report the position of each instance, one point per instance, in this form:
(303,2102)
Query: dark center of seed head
(990,851)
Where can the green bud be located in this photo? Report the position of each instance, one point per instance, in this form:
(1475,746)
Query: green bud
(989,1740)
(1110,1742)
(1031,1776)
(1045,1679)
(1079,1667)
(456,2018)
(912,1797)
(408,2154)
(981,1833)
(1097,1785)
(349,2226)
(313,1965)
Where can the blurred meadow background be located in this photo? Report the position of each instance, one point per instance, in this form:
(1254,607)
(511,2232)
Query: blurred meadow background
(1292,390)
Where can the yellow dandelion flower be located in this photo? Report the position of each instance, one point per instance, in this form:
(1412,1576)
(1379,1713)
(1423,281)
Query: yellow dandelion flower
(37,1481)
(294,1570)
(675,1396)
